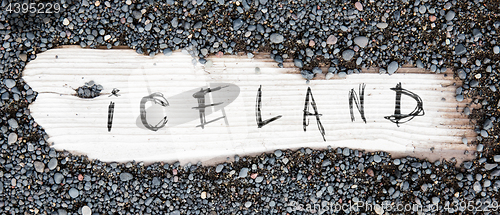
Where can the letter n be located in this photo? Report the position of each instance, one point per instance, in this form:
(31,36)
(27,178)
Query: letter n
(360,103)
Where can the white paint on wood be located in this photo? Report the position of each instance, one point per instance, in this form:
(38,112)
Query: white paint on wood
(80,125)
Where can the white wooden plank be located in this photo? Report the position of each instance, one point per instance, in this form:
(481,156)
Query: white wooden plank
(80,125)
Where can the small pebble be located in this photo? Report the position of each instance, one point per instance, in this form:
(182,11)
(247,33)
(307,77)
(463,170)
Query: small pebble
(12,138)
(496,158)
(52,164)
(393,67)
(126,176)
(86,210)
(358,6)
(39,166)
(348,54)
(382,25)
(73,192)
(331,40)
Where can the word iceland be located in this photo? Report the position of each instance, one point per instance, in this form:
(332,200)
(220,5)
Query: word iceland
(200,96)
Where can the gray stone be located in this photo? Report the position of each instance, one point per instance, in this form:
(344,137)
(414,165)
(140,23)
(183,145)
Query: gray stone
(382,25)
(317,70)
(309,52)
(484,133)
(460,98)
(460,49)
(495,173)
(496,158)
(435,200)
(347,54)
(73,192)
(361,41)
(482,160)
(177,40)
(30,36)
(422,9)
(9,83)
(467,111)
(248,204)
(490,166)
(12,123)
(346,152)
(496,50)
(329,75)
(488,124)
(298,63)
(377,158)
(416,164)
(459,176)
(477,187)
(148,26)
(243,172)
(342,74)
(204,52)
(12,138)
(476,33)
(359,61)
(39,166)
(23,57)
(62,212)
(219,168)
(420,64)
(237,24)
(468,164)
(198,25)
(278,153)
(52,164)
(276,38)
(307,74)
(479,147)
(392,68)
(259,179)
(125,176)
(461,74)
(86,210)
(331,40)
(450,15)
(58,178)
(487,183)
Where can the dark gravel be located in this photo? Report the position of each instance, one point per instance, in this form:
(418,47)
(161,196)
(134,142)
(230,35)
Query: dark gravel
(345,36)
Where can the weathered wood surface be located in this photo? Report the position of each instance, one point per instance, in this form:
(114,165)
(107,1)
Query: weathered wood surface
(80,125)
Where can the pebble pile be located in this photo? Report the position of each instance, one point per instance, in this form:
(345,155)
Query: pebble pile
(89,90)
(345,36)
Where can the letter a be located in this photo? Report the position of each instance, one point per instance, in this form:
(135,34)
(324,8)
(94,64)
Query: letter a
(397,117)
(258,114)
(360,103)
(307,113)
